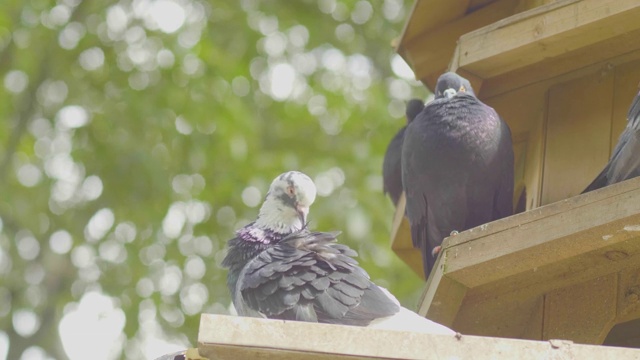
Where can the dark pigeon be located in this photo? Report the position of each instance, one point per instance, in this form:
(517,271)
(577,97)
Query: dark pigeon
(625,160)
(278,269)
(391,170)
(457,166)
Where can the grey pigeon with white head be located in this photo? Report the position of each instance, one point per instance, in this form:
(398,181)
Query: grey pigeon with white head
(457,166)
(391,165)
(625,159)
(279,269)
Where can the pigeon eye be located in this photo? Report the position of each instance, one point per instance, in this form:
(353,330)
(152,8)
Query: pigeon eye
(462,88)
(291,191)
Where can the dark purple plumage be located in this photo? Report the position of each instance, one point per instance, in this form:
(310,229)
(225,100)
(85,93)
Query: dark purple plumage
(391,169)
(625,159)
(457,166)
(303,276)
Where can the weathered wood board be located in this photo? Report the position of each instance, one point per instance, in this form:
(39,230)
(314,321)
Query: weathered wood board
(236,338)
(561,36)
(578,260)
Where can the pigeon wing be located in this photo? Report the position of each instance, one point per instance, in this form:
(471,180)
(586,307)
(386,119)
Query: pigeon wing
(503,200)
(308,277)
(391,170)
(417,180)
(625,159)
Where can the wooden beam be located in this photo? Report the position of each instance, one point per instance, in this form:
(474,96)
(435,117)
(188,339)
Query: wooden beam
(401,243)
(524,243)
(431,305)
(430,53)
(545,32)
(425,16)
(578,320)
(600,56)
(517,276)
(429,14)
(236,338)
(504,315)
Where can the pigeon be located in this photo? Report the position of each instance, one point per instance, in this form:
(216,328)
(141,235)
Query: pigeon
(625,160)
(391,170)
(457,167)
(279,269)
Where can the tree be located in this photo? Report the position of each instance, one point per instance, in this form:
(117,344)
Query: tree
(138,135)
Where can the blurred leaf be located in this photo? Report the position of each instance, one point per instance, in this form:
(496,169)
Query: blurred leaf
(178,124)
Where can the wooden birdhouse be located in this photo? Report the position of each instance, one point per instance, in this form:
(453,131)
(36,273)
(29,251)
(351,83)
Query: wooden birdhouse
(562,74)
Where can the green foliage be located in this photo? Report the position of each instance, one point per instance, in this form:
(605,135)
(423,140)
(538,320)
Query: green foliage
(185,129)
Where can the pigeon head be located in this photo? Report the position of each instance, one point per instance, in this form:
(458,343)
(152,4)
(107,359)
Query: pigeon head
(450,84)
(287,203)
(414,107)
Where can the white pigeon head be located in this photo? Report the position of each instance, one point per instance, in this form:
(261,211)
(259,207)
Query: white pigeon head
(286,206)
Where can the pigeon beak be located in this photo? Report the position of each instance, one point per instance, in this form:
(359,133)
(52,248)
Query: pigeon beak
(302,213)
(449,93)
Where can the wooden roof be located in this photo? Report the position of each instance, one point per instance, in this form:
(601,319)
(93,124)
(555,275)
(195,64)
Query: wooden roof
(429,37)
(512,43)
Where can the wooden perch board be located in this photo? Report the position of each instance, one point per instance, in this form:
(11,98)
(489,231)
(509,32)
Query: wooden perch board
(237,338)
(538,274)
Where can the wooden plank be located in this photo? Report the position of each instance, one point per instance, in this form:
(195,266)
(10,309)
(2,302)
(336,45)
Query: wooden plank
(533,329)
(431,304)
(508,265)
(525,111)
(532,4)
(425,16)
(545,32)
(628,306)
(567,314)
(503,315)
(228,337)
(430,53)
(401,243)
(429,14)
(572,270)
(546,235)
(600,57)
(578,128)
(512,307)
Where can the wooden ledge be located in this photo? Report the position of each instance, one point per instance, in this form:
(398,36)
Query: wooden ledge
(236,338)
(548,41)
(559,231)
(537,274)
